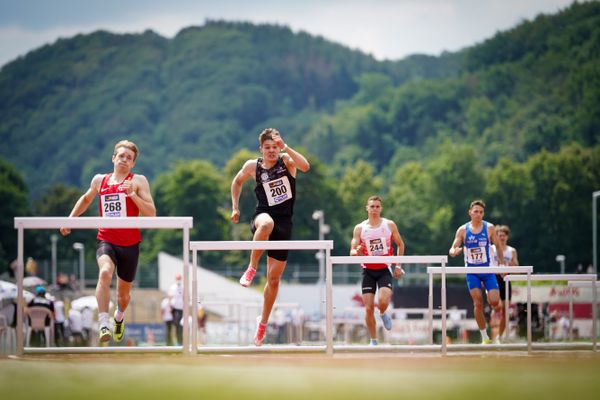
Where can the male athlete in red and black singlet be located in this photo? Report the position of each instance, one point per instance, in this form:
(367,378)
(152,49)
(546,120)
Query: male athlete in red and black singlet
(121,194)
(275,192)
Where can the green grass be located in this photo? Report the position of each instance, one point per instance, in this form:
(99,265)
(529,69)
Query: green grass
(389,376)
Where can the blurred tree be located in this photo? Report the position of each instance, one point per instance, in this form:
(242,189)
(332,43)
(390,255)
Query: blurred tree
(13,203)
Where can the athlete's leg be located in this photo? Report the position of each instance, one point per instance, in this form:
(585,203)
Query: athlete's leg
(369,300)
(106,268)
(275,269)
(477,298)
(264,224)
(384,299)
(123,294)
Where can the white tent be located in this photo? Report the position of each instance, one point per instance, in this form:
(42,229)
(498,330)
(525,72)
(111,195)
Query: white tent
(212,287)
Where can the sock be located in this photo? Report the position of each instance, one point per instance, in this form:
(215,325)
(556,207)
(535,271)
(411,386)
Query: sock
(119,315)
(103,319)
(484,335)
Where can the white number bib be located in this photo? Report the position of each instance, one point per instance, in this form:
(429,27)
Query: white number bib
(377,247)
(476,255)
(113,205)
(278,190)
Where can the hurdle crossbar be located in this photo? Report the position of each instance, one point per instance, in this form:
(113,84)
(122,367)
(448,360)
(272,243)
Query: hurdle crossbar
(578,284)
(232,245)
(556,277)
(443,271)
(443,260)
(23,223)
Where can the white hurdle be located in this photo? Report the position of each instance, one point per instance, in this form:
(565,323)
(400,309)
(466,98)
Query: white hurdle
(580,284)
(197,246)
(556,277)
(443,271)
(442,260)
(22,223)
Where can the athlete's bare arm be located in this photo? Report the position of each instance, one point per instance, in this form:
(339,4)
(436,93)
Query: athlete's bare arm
(399,248)
(293,159)
(459,238)
(247,171)
(515,259)
(84,201)
(496,242)
(355,246)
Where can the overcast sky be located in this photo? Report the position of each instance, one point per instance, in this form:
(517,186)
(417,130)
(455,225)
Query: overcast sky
(387,29)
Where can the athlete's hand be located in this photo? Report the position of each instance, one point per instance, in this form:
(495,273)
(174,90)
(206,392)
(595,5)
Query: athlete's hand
(128,186)
(398,272)
(278,140)
(64,231)
(235,216)
(454,251)
(355,252)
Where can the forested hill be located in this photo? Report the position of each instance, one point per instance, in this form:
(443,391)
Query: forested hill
(203,94)
(535,87)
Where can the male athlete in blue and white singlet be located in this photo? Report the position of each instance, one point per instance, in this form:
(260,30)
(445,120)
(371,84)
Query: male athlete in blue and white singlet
(477,236)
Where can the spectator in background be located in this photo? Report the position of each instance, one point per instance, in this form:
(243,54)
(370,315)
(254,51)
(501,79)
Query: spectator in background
(31,267)
(75,327)
(40,300)
(176,301)
(167,316)
(59,323)
(87,323)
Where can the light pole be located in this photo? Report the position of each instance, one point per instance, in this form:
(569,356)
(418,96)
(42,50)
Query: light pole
(595,195)
(80,247)
(319,215)
(561,260)
(53,240)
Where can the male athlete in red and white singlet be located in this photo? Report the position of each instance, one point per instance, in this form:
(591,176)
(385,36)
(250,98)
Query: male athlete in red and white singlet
(374,237)
(122,194)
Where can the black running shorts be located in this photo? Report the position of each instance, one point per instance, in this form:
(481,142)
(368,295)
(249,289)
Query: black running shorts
(281,231)
(376,278)
(124,257)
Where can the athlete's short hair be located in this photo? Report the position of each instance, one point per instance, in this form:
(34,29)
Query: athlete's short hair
(267,134)
(128,145)
(374,198)
(477,202)
(503,228)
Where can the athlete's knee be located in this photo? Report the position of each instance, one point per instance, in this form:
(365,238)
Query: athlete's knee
(105,276)
(273,281)
(265,225)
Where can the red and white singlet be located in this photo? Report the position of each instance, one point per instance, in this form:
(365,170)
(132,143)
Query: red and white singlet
(376,241)
(114,203)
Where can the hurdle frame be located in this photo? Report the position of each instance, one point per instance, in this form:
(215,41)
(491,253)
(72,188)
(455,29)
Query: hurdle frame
(23,223)
(557,277)
(196,246)
(442,260)
(443,271)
